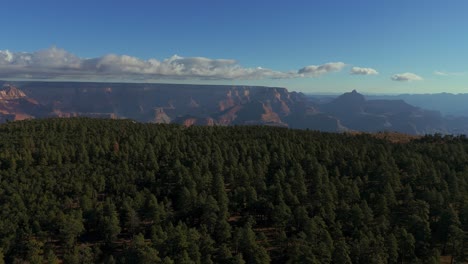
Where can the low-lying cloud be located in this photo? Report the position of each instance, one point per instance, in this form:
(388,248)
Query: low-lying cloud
(55,63)
(317,70)
(406,77)
(443,73)
(363,71)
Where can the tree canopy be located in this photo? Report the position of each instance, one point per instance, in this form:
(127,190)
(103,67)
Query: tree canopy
(115,191)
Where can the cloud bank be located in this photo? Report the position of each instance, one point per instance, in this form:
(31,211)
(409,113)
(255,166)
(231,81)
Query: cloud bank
(406,77)
(55,63)
(363,71)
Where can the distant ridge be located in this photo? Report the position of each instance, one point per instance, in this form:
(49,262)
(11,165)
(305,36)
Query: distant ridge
(219,105)
(446,103)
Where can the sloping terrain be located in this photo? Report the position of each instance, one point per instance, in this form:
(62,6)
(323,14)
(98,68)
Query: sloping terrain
(82,190)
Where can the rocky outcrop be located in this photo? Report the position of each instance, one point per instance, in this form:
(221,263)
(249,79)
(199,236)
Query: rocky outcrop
(160,117)
(10,92)
(188,121)
(15,105)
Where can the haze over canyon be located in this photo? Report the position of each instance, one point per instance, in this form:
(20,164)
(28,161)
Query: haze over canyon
(220,105)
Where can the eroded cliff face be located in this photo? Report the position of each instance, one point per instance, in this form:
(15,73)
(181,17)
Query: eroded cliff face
(160,116)
(15,105)
(195,121)
(234,96)
(217,105)
(159,103)
(10,92)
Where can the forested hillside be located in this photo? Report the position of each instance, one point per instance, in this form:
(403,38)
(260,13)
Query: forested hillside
(115,191)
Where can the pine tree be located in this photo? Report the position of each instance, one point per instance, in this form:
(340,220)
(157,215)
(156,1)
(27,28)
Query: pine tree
(341,253)
(109,225)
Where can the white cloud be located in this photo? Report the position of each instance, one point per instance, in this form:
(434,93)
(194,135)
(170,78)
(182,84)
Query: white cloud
(5,56)
(443,73)
(406,77)
(363,71)
(317,70)
(439,73)
(58,63)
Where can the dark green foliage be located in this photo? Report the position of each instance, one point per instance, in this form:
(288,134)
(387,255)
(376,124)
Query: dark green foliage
(341,253)
(139,251)
(107,191)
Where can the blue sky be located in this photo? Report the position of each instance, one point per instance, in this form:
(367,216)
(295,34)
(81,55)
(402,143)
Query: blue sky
(397,46)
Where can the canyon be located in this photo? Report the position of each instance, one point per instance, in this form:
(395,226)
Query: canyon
(218,105)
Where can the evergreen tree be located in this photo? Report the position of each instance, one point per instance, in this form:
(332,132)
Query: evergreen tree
(109,225)
(341,253)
